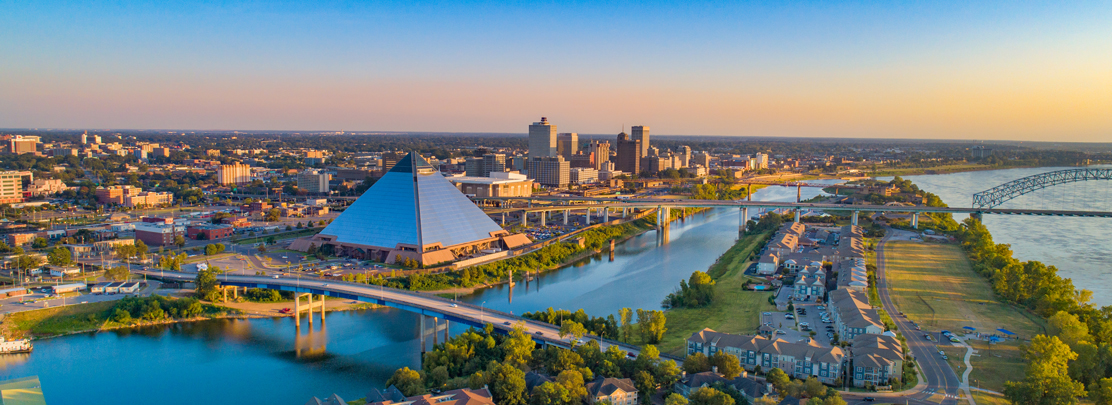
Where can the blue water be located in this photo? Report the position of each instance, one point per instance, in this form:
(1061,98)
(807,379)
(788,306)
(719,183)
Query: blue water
(258,360)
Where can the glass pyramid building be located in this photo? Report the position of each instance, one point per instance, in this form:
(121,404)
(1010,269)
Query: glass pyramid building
(413,212)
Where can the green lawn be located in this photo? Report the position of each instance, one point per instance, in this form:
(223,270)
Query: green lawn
(53,321)
(734,310)
(935,286)
(984,398)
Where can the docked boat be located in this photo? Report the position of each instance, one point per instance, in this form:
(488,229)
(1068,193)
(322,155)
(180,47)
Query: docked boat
(15,346)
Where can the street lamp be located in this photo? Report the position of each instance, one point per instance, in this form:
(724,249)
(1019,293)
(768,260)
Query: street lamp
(481,312)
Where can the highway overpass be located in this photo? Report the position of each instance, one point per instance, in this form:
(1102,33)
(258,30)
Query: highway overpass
(422,304)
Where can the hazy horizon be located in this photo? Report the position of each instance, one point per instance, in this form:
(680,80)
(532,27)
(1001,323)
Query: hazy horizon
(992,71)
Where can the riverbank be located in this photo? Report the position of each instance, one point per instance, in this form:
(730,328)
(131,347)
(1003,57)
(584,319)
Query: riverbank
(734,309)
(97,317)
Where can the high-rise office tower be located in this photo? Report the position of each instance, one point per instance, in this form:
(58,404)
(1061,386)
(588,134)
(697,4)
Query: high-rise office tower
(601,151)
(641,133)
(493,163)
(685,156)
(567,144)
(542,139)
(552,171)
(85,138)
(629,154)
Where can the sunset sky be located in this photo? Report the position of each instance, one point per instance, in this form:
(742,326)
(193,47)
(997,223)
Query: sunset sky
(934,69)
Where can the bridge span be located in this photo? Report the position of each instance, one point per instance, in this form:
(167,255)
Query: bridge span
(425,305)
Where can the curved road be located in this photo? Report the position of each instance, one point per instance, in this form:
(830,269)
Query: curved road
(941,381)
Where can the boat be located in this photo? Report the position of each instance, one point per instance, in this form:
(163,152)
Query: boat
(15,346)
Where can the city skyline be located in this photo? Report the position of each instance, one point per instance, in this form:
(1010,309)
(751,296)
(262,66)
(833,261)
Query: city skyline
(986,71)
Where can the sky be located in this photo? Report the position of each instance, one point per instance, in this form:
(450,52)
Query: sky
(983,70)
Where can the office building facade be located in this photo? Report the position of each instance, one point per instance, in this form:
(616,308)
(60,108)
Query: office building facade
(551,171)
(567,144)
(641,133)
(236,173)
(629,154)
(542,139)
(313,181)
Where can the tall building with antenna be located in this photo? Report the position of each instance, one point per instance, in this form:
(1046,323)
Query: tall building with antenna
(542,139)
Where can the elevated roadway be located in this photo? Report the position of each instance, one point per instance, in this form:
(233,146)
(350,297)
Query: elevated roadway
(418,303)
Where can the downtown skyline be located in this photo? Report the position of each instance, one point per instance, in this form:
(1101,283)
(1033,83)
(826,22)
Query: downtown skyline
(987,71)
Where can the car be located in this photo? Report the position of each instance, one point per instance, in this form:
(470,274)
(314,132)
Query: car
(944,357)
(789,316)
(506,323)
(822,307)
(804,324)
(539,333)
(324,285)
(917,327)
(941,353)
(454,305)
(767,313)
(868,399)
(780,332)
(631,355)
(275,276)
(284,311)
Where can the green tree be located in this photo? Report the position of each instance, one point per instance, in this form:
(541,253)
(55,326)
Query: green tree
(696,363)
(813,387)
(518,348)
(1047,380)
(675,399)
(1068,328)
(572,380)
(651,324)
(60,256)
(626,316)
(407,381)
(179,241)
(40,243)
(550,394)
(646,387)
(206,285)
(728,365)
(508,385)
(118,273)
(573,329)
(779,379)
(141,250)
(710,396)
(1101,392)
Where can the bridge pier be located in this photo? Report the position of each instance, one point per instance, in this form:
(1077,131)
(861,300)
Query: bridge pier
(543,221)
(915,220)
(854,221)
(422,332)
(525,218)
(744,220)
(624,211)
(605,214)
(797,215)
(503,219)
(566,214)
(748,192)
(588,216)
(798,197)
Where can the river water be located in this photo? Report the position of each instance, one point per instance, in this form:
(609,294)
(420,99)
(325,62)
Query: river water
(265,361)
(1081,248)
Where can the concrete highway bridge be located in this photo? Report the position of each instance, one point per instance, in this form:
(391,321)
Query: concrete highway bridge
(426,305)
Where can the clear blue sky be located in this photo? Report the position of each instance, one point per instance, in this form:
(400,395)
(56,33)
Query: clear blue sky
(986,70)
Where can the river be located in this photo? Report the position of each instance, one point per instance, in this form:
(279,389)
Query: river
(1078,247)
(259,361)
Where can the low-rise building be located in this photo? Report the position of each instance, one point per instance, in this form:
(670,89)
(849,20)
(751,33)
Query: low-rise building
(852,314)
(41,187)
(499,184)
(799,360)
(158,234)
(615,391)
(463,396)
(209,231)
(877,360)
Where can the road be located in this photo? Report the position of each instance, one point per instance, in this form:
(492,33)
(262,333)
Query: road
(941,381)
(425,304)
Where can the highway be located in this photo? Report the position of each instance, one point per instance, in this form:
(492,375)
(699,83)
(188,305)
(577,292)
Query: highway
(424,304)
(941,383)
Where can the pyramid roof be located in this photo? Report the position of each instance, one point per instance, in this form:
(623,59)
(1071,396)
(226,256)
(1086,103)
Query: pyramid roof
(412,204)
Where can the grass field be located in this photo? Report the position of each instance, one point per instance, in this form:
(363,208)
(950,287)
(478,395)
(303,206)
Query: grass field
(734,310)
(984,398)
(53,321)
(935,286)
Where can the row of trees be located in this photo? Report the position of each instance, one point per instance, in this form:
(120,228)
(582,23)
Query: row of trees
(156,308)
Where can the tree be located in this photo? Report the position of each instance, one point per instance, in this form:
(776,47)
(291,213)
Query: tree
(646,387)
(710,396)
(675,399)
(813,387)
(508,385)
(550,394)
(626,315)
(572,380)
(573,329)
(518,348)
(1101,392)
(60,256)
(728,365)
(696,363)
(779,379)
(25,262)
(179,241)
(407,381)
(118,273)
(141,250)
(1068,328)
(206,285)
(1047,380)
(651,324)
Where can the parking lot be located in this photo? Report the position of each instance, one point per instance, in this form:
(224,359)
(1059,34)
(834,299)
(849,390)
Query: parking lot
(812,316)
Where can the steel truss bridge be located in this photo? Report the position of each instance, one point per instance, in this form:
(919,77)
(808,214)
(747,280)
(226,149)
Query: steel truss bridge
(1015,188)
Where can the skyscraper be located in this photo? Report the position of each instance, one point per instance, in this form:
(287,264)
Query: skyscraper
(641,133)
(629,154)
(567,144)
(601,151)
(552,171)
(542,139)
(493,162)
